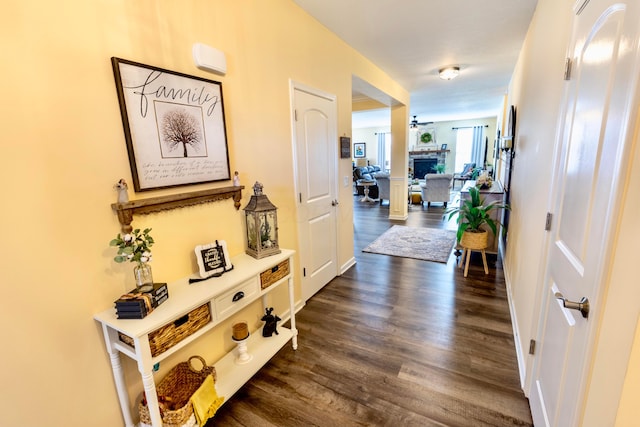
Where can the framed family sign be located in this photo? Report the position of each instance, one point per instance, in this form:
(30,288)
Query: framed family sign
(174,126)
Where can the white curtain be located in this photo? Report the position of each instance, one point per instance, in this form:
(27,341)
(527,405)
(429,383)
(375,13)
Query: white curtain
(382,154)
(477,146)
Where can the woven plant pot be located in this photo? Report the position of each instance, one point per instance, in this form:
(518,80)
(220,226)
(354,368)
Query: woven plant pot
(475,240)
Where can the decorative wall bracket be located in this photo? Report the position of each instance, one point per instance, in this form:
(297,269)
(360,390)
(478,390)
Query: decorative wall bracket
(126,210)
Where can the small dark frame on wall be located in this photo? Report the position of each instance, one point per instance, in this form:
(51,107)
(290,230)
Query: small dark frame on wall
(174,126)
(360,150)
(345,147)
(443,147)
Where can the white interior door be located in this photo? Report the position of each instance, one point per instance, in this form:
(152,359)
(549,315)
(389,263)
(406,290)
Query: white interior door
(586,186)
(315,125)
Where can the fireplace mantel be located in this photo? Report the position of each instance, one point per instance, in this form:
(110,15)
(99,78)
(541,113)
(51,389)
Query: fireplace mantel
(423,152)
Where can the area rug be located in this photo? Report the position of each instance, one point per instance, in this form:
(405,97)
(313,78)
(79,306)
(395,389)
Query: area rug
(428,244)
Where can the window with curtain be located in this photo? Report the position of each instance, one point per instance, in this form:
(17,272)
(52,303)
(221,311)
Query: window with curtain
(464,143)
(470,147)
(384,150)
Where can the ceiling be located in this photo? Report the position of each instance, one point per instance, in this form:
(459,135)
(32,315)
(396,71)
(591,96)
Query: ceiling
(412,39)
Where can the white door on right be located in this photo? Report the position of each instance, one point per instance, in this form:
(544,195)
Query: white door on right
(595,131)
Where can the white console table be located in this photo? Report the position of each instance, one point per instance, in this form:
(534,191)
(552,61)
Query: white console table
(221,294)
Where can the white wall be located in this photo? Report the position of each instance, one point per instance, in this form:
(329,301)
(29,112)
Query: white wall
(370,137)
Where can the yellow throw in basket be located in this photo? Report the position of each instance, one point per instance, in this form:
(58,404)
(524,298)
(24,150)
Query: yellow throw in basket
(175,391)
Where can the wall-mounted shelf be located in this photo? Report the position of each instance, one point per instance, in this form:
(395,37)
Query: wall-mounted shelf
(126,210)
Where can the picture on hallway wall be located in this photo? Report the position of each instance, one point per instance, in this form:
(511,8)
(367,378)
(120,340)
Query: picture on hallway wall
(174,126)
(359,150)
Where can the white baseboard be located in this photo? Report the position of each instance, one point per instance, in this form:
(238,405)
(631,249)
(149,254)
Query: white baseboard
(347,265)
(521,355)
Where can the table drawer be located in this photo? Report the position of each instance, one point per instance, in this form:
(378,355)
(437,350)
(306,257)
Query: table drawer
(165,337)
(235,298)
(272,275)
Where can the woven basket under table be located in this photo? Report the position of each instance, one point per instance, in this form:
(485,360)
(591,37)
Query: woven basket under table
(174,392)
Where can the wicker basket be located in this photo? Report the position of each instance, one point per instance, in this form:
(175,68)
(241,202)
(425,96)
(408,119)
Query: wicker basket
(272,275)
(165,337)
(174,392)
(474,240)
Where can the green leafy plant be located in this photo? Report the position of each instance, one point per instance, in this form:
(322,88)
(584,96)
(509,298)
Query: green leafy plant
(440,168)
(473,213)
(426,137)
(134,247)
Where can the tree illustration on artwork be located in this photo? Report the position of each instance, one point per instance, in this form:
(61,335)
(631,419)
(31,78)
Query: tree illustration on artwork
(181,129)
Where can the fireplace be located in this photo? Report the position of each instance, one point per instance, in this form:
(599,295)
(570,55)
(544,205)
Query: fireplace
(421,167)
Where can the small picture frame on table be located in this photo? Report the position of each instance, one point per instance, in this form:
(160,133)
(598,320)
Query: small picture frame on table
(443,147)
(213,259)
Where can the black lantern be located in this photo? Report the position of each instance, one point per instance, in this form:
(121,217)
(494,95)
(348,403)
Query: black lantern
(262,225)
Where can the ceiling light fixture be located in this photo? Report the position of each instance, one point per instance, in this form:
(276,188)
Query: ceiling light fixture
(449,73)
(414,123)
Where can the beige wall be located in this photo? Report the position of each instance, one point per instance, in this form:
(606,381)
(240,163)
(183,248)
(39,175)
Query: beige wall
(536,90)
(63,149)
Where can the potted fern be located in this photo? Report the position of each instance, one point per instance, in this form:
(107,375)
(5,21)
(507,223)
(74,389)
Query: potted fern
(472,215)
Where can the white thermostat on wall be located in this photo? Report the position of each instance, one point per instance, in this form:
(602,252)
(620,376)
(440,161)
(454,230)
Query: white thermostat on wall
(209,58)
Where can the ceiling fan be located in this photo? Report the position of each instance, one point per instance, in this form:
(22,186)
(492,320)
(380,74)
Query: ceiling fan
(414,123)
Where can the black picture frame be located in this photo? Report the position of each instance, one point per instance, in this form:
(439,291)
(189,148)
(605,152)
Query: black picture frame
(360,150)
(174,126)
(443,147)
(345,147)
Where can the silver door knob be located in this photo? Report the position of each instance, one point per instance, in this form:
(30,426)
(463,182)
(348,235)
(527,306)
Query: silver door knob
(582,306)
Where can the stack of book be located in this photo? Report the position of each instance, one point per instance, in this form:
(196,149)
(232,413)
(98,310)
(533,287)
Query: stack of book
(136,304)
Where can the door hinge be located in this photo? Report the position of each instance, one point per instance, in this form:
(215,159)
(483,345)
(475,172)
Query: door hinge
(295,115)
(567,69)
(547,223)
(304,272)
(532,347)
(300,197)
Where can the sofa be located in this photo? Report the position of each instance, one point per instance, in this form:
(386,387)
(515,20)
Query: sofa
(366,173)
(436,188)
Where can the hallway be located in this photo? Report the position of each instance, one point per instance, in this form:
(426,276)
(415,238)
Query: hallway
(393,342)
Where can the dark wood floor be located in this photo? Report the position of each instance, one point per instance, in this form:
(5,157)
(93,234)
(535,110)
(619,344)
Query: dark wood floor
(393,342)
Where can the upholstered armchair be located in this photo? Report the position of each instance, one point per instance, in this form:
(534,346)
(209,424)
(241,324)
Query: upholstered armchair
(436,188)
(384,186)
